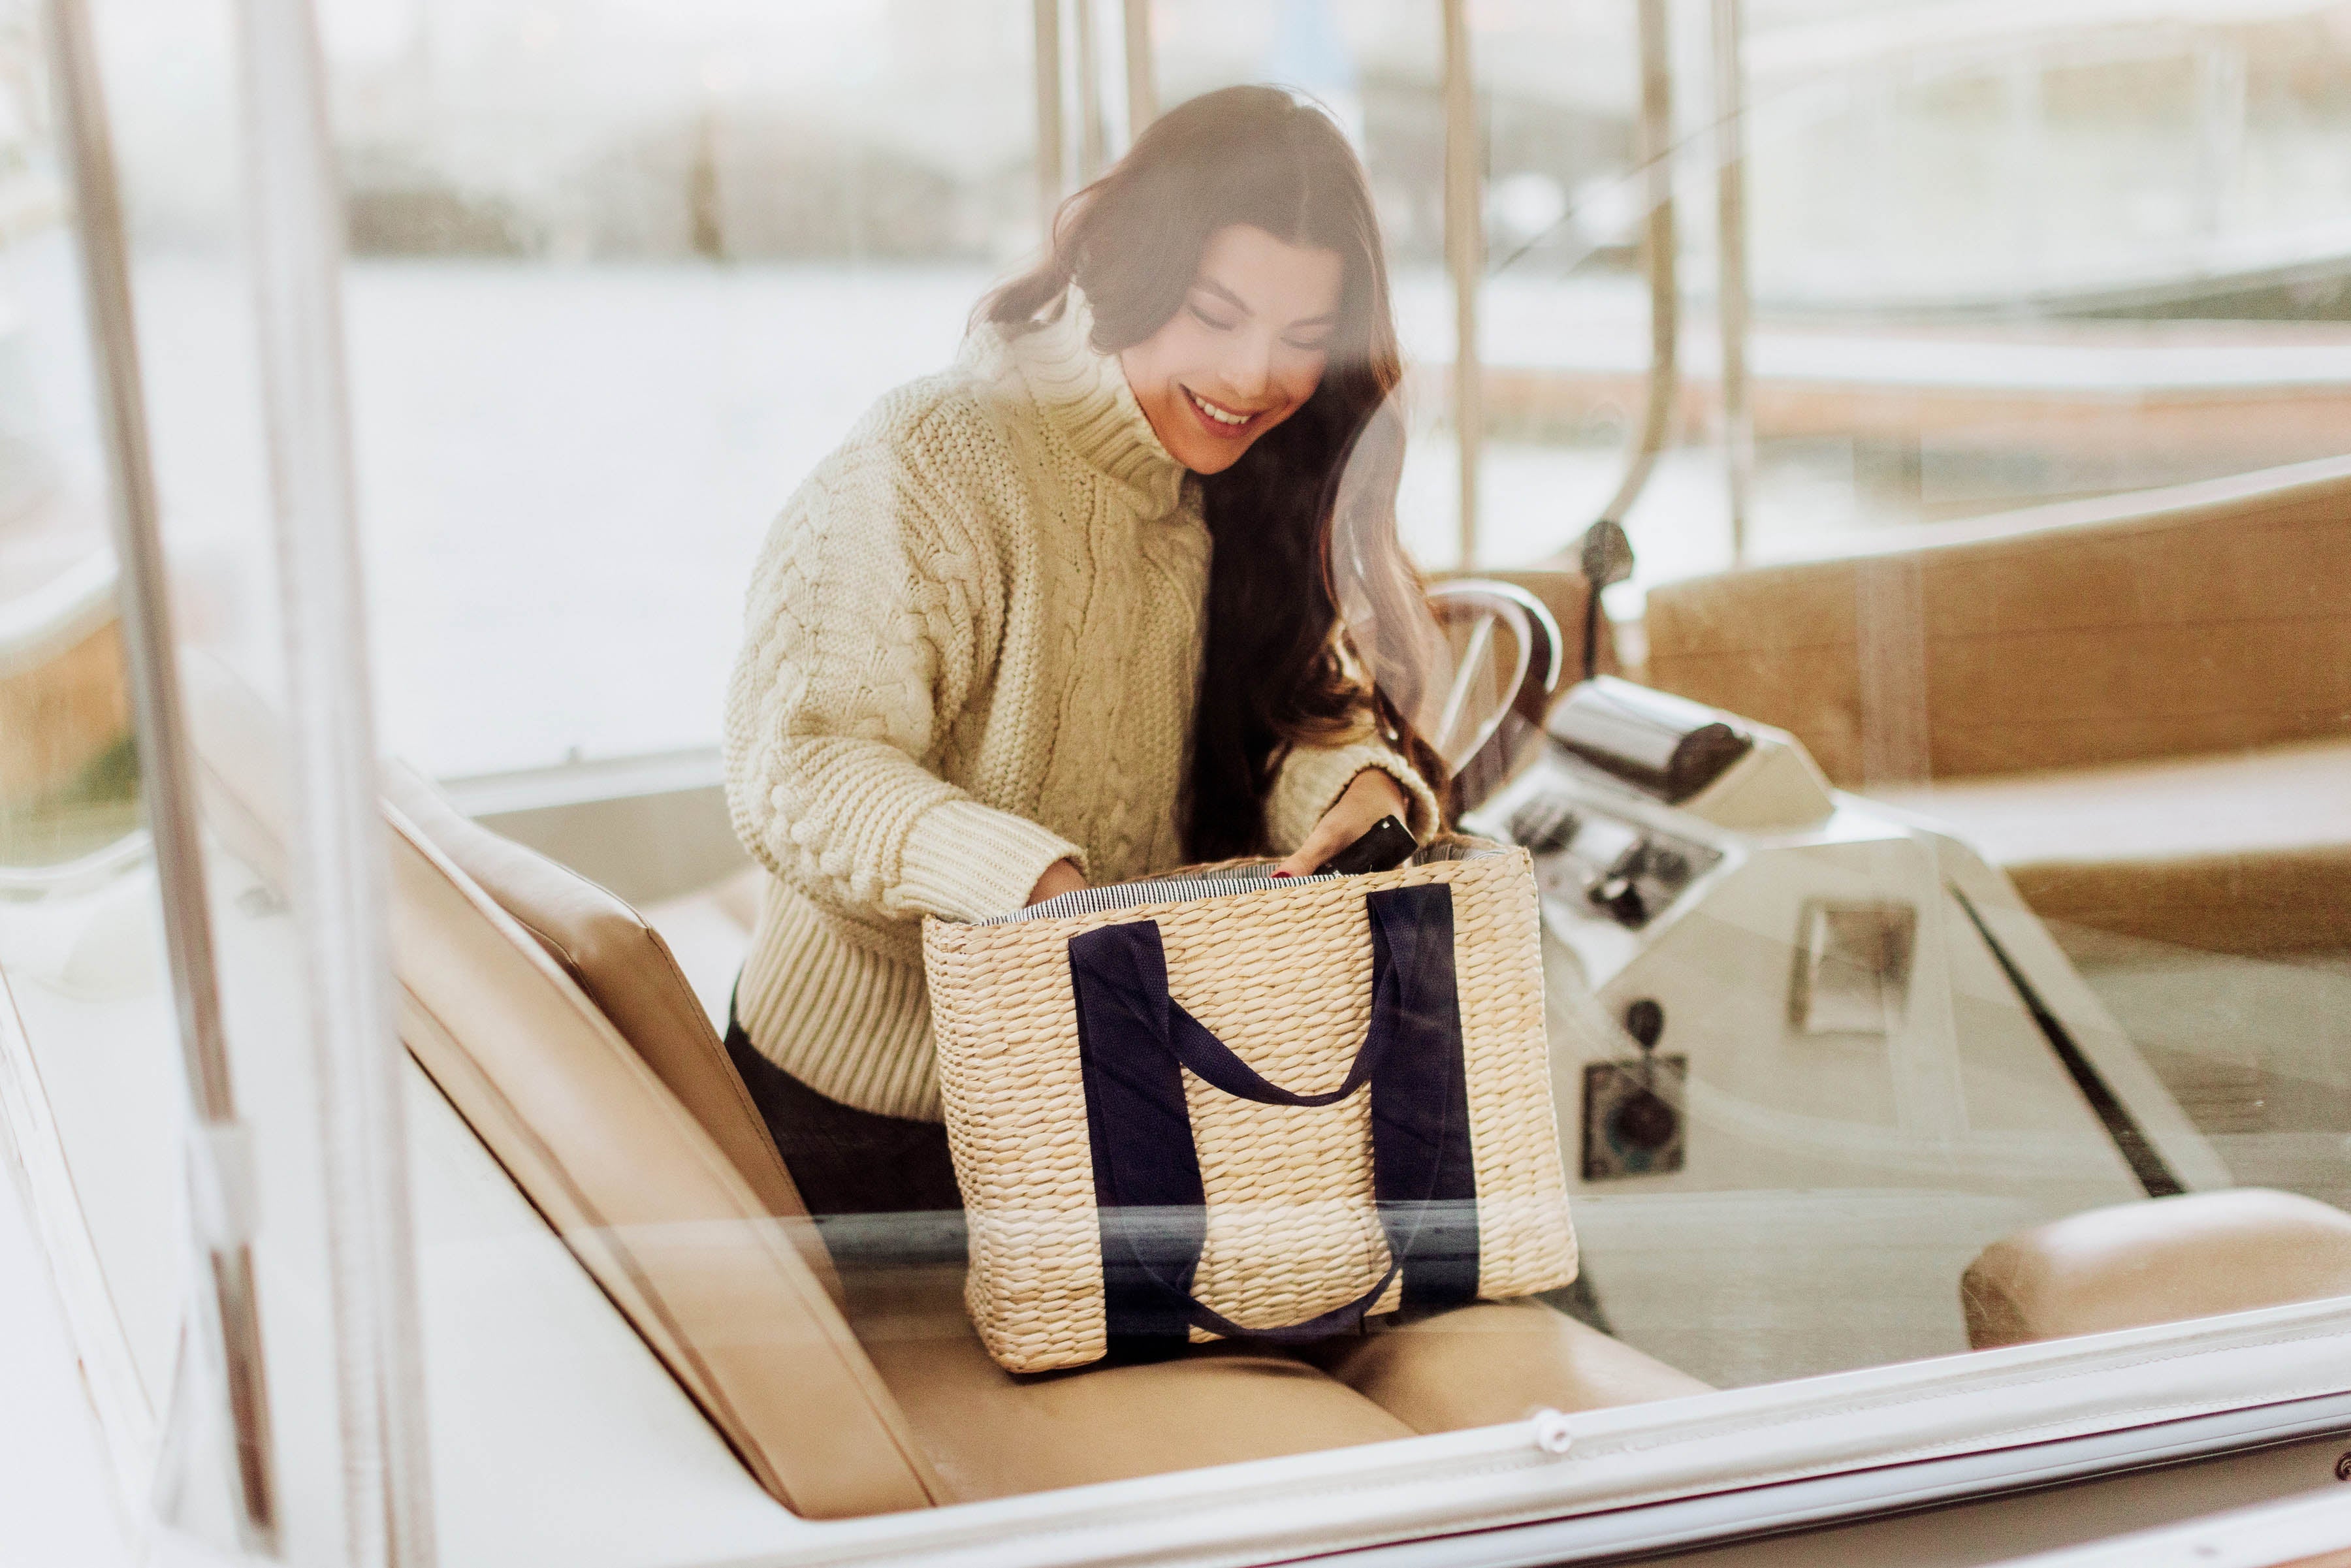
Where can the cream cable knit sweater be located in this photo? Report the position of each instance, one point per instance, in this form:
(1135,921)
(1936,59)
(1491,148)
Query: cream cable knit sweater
(972,647)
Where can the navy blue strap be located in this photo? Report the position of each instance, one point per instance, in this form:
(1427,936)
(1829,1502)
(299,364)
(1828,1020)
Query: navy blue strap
(1134,1043)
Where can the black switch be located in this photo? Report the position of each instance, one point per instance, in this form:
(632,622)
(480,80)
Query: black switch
(1620,898)
(1544,824)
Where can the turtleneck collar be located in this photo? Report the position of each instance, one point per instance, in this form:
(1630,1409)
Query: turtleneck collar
(1083,392)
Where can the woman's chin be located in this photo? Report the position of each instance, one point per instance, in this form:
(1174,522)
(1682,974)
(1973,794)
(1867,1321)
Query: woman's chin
(1203,458)
(1204,452)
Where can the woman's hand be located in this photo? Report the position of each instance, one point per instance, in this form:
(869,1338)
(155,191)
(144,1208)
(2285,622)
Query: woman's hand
(1371,795)
(1061,877)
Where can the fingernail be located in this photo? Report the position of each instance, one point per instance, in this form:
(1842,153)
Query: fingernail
(1285,874)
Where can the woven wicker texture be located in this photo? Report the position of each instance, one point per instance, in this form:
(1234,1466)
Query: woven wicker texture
(1283,977)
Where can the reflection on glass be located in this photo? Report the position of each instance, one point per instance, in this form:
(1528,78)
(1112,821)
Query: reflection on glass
(85,995)
(1824,1041)
(69,774)
(580,236)
(1915,921)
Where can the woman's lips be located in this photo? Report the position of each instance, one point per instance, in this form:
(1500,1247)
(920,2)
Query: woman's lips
(1216,419)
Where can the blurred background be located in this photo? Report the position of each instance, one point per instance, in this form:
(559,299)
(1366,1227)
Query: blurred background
(622,270)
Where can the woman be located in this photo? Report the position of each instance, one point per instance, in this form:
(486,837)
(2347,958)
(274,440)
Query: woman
(1064,612)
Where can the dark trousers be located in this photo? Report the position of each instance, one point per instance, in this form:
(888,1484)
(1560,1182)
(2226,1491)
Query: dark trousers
(851,1165)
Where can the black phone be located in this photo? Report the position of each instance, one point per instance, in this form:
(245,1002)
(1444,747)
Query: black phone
(1387,844)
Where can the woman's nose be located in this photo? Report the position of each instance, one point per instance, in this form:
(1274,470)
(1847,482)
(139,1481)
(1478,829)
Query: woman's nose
(1249,371)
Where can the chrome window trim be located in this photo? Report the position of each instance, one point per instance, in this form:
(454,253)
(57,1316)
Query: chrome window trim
(1851,1495)
(1465,259)
(1052,138)
(1990,1421)
(226,1317)
(338,877)
(1732,301)
(1142,67)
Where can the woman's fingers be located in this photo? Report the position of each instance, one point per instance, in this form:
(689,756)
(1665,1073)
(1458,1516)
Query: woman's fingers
(1327,839)
(1371,795)
(1062,876)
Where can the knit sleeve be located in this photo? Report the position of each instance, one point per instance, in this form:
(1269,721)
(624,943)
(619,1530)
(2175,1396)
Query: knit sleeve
(1312,779)
(870,618)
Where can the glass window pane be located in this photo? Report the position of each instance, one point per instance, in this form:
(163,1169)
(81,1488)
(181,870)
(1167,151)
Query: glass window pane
(102,1115)
(1925,895)
(81,943)
(637,269)
(1810,1055)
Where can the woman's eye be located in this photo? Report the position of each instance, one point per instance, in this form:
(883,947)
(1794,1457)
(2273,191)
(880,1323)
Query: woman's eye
(1208,320)
(1316,347)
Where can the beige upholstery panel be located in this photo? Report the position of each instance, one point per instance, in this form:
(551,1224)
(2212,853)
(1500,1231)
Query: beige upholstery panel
(709,932)
(1493,1362)
(992,1434)
(2208,618)
(61,715)
(623,963)
(643,1197)
(2161,1260)
(2256,902)
(2248,852)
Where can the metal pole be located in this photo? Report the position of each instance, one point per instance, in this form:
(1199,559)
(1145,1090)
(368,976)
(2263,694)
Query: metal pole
(1051,138)
(1465,256)
(1657,254)
(1142,70)
(219,1158)
(338,873)
(1091,137)
(1730,247)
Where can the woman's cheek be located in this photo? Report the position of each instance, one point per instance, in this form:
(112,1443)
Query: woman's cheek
(1302,378)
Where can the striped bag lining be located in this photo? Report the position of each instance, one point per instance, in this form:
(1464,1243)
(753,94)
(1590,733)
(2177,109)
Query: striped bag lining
(1225,883)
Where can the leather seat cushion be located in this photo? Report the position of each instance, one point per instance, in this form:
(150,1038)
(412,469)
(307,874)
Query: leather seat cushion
(989,1433)
(2247,852)
(2161,1260)
(1494,1362)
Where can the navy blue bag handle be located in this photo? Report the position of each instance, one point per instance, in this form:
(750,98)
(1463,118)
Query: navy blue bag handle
(1134,1041)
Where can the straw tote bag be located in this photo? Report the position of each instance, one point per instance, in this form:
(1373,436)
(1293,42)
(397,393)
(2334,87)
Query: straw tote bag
(1221,1104)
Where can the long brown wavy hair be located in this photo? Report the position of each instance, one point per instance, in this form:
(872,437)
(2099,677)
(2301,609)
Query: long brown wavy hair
(1277,669)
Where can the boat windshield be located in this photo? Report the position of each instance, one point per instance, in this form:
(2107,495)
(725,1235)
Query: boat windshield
(1826,529)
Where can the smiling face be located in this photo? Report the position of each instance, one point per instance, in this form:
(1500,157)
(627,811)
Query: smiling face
(1243,352)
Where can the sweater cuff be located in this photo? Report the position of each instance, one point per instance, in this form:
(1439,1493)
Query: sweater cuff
(1314,778)
(969,862)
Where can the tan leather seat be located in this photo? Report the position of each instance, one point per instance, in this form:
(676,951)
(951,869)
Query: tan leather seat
(2164,1260)
(2177,654)
(973,1430)
(1494,1362)
(2157,848)
(904,1411)
(709,930)
(937,1391)
(627,970)
(642,1195)
(994,1435)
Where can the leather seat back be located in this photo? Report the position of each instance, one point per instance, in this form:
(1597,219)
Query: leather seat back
(661,1218)
(627,970)
(2161,1260)
(2202,619)
(643,1197)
